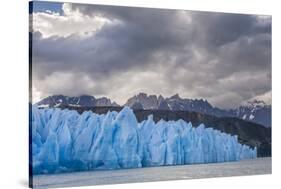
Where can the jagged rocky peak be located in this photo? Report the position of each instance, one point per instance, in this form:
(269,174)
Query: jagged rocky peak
(203,102)
(146,101)
(103,101)
(175,96)
(86,96)
(115,104)
(154,97)
(160,98)
(86,100)
(141,95)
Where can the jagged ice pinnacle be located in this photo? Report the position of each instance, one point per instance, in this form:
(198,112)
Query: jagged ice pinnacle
(64,141)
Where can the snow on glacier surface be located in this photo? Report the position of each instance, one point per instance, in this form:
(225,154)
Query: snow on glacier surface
(64,140)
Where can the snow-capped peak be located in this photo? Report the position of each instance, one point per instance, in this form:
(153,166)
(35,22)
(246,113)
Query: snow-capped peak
(254,103)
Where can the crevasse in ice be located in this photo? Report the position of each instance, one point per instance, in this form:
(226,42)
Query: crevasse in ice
(64,140)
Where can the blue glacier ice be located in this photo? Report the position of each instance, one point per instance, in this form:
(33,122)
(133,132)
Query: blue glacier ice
(64,140)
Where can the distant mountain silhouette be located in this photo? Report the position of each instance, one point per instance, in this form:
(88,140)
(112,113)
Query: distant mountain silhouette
(254,111)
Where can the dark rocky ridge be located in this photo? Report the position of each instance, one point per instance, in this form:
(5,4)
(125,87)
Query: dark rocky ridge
(255,111)
(248,133)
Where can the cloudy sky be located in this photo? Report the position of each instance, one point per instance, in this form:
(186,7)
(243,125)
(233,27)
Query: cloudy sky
(118,52)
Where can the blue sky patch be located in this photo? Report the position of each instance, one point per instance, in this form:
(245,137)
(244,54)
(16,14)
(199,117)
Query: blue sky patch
(44,6)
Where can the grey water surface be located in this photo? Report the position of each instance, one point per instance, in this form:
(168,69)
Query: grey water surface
(246,167)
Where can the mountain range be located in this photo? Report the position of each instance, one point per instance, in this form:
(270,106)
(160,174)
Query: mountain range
(254,111)
(79,101)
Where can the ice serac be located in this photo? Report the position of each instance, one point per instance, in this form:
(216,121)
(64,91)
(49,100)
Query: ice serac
(63,140)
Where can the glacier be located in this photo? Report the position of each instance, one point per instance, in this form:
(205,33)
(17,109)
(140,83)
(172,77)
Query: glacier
(66,141)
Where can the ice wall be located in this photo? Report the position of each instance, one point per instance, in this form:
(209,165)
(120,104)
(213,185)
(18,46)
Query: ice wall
(63,140)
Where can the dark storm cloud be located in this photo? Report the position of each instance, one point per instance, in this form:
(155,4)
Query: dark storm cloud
(221,28)
(197,54)
(116,46)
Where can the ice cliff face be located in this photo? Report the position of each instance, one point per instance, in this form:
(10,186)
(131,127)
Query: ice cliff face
(63,140)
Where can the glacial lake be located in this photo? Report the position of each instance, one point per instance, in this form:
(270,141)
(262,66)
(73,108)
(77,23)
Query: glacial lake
(181,172)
